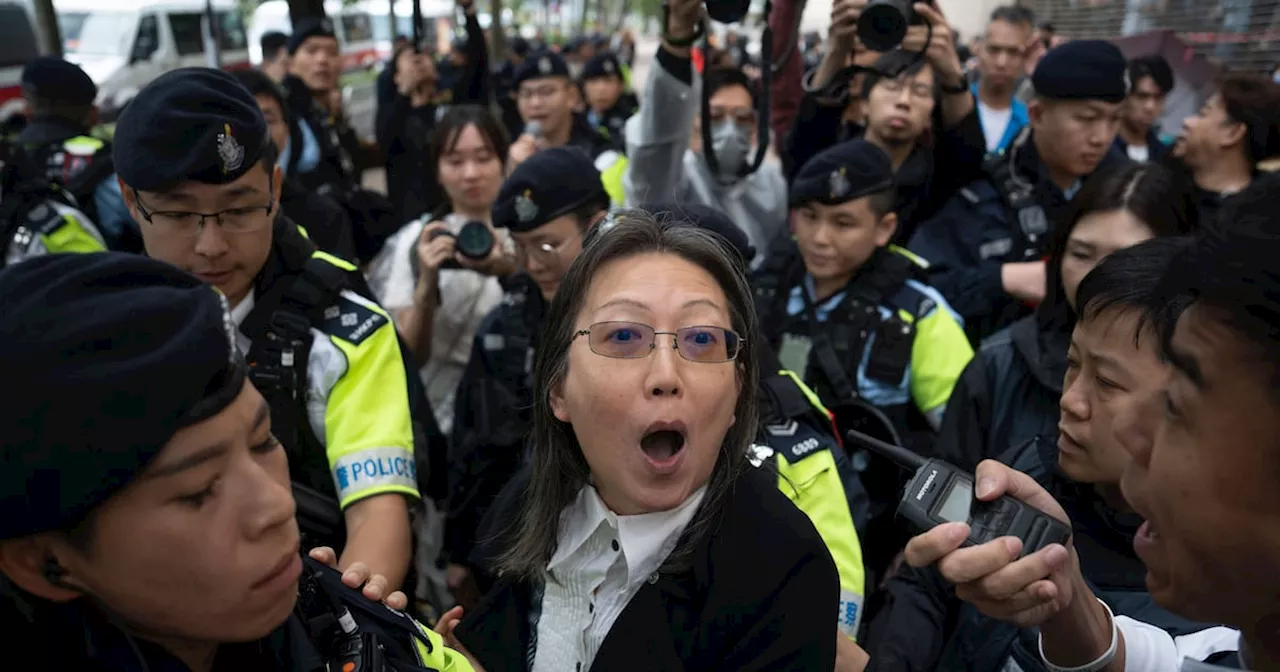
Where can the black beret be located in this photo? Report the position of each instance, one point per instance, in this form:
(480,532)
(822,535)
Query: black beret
(603,64)
(309,27)
(710,219)
(541,65)
(190,124)
(550,184)
(60,81)
(845,172)
(108,355)
(1083,70)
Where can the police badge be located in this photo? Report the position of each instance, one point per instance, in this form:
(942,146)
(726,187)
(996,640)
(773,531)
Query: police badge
(839,184)
(230,151)
(526,209)
(608,67)
(544,65)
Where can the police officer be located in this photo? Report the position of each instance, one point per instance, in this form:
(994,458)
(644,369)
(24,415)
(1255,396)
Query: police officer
(987,244)
(799,441)
(545,95)
(199,176)
(142,485)
(855,319)
(547,204)
(609,104)
(34,217)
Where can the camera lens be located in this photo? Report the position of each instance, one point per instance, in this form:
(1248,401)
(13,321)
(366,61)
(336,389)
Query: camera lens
(475,241)
(883,24)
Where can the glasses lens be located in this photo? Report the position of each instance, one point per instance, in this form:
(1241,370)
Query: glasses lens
(621,339)
(176,223)
(707,344)
(243,220)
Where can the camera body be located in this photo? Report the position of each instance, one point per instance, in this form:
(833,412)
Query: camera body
(474,239)
(883,23)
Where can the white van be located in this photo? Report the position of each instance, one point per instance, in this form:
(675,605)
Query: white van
(124,44)
(19,44)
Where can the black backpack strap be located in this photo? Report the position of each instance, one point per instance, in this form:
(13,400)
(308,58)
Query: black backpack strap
(281,322)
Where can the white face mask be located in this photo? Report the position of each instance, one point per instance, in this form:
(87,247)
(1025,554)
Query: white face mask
(732,146)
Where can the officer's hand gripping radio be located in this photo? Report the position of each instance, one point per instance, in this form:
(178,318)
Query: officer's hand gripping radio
(941,493)
(340,639)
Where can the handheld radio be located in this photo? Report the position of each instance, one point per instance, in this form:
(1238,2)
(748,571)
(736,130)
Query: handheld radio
(941,493)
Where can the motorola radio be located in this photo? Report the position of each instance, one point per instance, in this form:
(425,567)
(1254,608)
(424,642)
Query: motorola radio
(941,493)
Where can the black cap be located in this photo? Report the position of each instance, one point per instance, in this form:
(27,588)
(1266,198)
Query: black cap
(848,171)
(550,184)
(59,81)
(603,64)
(541,65)
(190,124)
(1083,70)
(309,27)
(710,219)
(108,356)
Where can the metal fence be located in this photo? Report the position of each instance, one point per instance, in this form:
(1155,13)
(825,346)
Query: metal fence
(1238,34)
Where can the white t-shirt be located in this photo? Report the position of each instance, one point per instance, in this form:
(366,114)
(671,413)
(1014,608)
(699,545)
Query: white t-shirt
(1139,153)
(994,124)
(466,297)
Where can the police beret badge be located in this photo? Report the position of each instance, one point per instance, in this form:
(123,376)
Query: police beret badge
(839,184)
(1128,83)
(544,65)
(526,209)
(608,67)
(230,151)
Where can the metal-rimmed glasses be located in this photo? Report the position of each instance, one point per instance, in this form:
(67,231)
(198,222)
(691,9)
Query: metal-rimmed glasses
(633,340)
(545,253)
(190,224)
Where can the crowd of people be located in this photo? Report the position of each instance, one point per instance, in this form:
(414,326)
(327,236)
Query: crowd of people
(254,399)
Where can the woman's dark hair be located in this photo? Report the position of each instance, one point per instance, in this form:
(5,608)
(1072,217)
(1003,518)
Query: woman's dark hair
(1132,279)
(450,127)
(1152,193)
(559,470)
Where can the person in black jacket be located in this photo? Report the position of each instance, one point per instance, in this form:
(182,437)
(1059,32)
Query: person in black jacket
(642,451)
(1114,365)
(1009,393)
(326,223)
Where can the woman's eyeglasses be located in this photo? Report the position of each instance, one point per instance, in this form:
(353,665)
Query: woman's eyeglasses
(632,340)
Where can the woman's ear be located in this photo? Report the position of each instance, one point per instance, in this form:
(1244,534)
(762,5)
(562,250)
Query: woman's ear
(558,406)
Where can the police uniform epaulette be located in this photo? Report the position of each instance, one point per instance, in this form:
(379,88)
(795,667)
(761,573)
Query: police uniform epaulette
(351,320)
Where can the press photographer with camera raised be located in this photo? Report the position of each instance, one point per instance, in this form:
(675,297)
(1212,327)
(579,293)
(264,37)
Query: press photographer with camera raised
(916,104)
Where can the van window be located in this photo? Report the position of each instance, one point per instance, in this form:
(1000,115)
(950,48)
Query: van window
(18,42)
(97,33)
(148,41)
(188,33)
(231,33)
(357,28)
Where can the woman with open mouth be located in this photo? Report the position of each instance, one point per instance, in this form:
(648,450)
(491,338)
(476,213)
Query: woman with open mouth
(640,538)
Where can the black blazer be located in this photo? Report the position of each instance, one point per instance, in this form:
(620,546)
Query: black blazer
(761,593)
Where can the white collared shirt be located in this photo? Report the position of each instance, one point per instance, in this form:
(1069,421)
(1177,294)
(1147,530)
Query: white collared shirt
(601,562)
(239,313)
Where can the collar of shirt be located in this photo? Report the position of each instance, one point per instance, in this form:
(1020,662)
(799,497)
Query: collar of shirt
(239,313)
(646,539)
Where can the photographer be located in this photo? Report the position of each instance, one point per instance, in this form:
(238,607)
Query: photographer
(918,109)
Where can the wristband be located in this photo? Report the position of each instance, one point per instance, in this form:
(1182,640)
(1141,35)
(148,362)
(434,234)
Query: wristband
(1096,665)
(963,87)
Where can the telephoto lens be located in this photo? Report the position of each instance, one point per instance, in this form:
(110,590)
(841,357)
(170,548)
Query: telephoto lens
(883,23)
(728,11)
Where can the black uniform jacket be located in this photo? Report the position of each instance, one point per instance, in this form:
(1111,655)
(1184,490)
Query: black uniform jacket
(759,593)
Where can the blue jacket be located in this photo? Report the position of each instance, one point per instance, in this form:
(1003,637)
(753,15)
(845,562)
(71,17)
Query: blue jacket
(1018,120)
(961,638)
